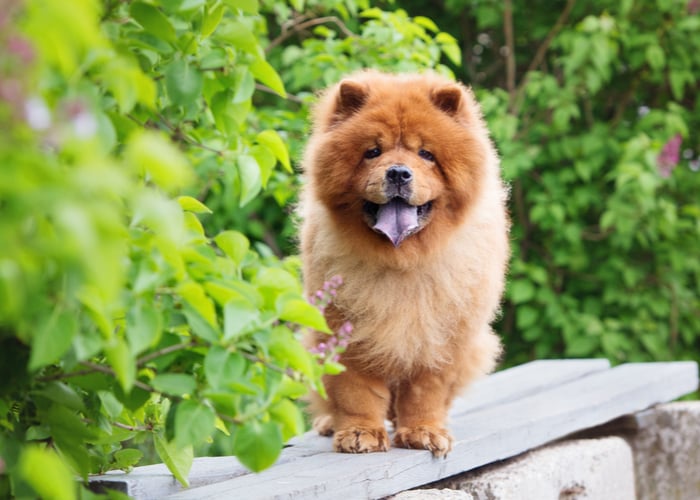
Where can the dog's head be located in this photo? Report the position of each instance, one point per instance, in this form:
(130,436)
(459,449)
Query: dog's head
(398,154)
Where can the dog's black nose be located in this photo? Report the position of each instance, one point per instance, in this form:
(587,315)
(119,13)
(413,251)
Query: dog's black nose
(399,175)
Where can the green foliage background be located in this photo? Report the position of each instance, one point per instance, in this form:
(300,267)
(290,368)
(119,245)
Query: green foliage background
(150,300)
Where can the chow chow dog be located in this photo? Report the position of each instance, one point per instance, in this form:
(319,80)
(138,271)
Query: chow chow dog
(404,200)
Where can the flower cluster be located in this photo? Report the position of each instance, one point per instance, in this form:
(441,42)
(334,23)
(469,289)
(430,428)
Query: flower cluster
(73,117)
(669,156)
(331,349)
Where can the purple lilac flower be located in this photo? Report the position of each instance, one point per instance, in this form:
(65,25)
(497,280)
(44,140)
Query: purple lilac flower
(336,343)
(669,156)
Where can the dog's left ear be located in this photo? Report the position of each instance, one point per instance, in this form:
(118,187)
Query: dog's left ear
(447,98)
(351,97)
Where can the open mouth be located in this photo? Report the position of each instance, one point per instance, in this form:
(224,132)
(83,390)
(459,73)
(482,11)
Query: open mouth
(396,219)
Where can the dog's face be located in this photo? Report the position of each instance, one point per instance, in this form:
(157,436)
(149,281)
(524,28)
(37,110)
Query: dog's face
(397,156)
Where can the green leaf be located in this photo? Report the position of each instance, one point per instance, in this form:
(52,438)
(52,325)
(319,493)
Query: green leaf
(521,290)
(122,362)
(195,296)
(144,325)
(678,79)
(525,319)
(247,6)
(266,74)
(332,368)
(195,227)
(183,81)
(63,394)
(127,458)
(290,418)
(257,445)
(222,108)
(276,279)
(240,37)
(52,339)
(194,423)
(212,18)
(69,432)
(222,366)
(297,310)
(426,23)
(153,21)
(285,348)
(153,154)
(201,327)
(175,384)
(266,161)
(240,317)
(582,345)
(234,244)
(250,179)
(178,460)
(245,88)
(272,140)
(372,13)
(193,205)
(655,57)
(46,473)
(110,404)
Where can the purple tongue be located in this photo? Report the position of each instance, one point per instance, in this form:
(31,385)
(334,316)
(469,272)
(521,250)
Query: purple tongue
(396,220)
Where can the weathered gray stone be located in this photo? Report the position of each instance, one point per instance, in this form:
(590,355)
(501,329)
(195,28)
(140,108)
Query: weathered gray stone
(666,448)
(433,494)
(600,469)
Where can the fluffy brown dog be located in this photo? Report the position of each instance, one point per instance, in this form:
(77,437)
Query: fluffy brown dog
(403,200)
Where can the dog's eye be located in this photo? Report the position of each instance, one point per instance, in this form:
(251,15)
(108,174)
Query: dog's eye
(426,155)
(372,153)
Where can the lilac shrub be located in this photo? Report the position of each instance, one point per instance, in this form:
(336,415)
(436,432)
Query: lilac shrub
(337,342)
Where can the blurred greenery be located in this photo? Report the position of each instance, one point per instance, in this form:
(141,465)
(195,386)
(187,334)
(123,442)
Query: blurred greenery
(150,299)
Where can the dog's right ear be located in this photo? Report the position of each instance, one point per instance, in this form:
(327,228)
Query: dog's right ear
(351,97)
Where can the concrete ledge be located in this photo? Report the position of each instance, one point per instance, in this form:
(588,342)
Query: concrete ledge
(652,455)
(584,468)
(666,445)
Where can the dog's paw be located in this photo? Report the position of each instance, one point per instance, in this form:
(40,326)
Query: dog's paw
(424,437)
(323,424)
(361,440)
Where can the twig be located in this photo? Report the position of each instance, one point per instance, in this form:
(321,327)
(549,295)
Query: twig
(268,90)
(544,46)
(105,369)
(134,428)
(162,352)
(521,210)
(542,52)
(510,52)
(300,26)
(255,359)
(180,135)
(61,376)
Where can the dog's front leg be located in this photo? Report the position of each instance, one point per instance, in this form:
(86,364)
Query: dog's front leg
(358,405)
(421,410)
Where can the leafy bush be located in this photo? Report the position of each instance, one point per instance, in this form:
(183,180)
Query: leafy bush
(145,167)
(120,319)
(594,108)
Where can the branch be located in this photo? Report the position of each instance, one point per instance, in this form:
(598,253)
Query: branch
(510,52)
(542,52)
(544,46)
(162,352)
(297,26)
(179,135)
(105,369)
(134,428)
(256,359)
(290,97)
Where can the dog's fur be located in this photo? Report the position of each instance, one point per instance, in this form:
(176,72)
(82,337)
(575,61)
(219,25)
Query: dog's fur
(421,302)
